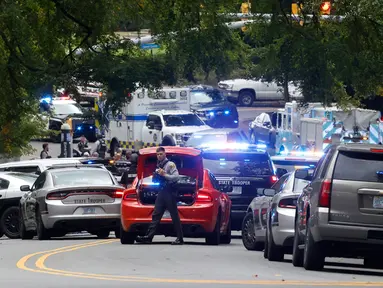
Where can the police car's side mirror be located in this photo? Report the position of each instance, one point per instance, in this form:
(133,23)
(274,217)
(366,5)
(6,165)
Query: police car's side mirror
(302,174)
(269,192)
(151,125)
(25,188)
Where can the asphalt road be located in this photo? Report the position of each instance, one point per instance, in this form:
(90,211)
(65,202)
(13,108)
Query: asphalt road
(246,114)
(78,261)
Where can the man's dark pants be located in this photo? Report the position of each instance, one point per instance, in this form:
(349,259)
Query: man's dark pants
(165,201)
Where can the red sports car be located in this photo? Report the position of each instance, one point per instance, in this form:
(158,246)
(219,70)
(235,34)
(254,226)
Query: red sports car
(204,210)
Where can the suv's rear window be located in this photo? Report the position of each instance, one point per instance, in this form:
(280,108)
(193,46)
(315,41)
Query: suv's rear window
(358,166)
(238,164)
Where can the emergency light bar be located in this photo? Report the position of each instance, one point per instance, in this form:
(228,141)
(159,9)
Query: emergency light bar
(233,146)
(302,153)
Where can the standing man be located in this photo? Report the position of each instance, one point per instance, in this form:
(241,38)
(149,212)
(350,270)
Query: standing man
(44,153)
(100,148)
(166,200)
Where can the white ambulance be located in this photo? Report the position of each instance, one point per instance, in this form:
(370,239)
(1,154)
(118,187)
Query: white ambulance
(154,118)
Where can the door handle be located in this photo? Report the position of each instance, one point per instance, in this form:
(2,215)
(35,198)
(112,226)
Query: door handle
(150,132)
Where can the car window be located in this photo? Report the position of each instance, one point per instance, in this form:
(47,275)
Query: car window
(347,163)
(39,183)
(25,177)
(155,119)
(24,169)
(4,184)
(81,177)
(237,164)
(214,181)
(278,185)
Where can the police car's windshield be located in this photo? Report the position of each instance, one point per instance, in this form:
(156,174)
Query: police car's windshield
(67,108)
(237,164)
(182,120)
(201,97)
(198,139)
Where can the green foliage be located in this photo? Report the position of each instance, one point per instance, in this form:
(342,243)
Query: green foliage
(324,56)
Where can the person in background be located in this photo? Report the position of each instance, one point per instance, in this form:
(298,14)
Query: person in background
(100,146)
(118,154)
(83,145)
(130,174)
(44,153)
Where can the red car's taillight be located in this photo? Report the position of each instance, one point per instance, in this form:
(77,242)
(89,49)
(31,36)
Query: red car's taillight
(324,195)
(131,196)
(203,196)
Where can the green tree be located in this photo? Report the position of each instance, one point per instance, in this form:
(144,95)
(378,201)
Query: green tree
(325,56)
(40,41)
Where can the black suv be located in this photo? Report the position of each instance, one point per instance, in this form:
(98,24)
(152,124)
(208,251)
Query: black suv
(212,107)
(239,173)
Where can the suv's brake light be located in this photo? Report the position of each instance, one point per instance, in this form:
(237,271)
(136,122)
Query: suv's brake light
(324,195)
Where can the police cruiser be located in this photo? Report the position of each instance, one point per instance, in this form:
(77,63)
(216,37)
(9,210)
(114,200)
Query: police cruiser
(239,170)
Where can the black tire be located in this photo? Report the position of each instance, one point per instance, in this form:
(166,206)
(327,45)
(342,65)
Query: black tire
(246,98)
(297,253)
(24,234)
(103,234)
(248,234)
(214,238)
(10,222)
(127,237)
(266,251)
(314,255)
(275,252)
(226,239)
(117,232)
(373,262)
(42,232)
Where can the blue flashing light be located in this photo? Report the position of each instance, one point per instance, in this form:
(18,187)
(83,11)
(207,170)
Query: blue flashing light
(222,163)
(90,162)
(211,114)
(222,159)
(90,127)
(227,112)
(261,146)
(247,160)
(152,184)
(235,121)
(79,128)
(46,99)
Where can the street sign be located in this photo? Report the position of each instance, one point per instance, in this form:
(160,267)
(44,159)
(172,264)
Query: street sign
(150,46)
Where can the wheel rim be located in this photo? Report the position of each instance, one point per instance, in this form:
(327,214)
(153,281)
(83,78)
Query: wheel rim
(246,99)
(11,223)
(249,233)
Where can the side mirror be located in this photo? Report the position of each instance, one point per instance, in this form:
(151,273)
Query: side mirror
(281,172)
(25,188)
(266,124)
(151,125)
(266,192)
(303,174)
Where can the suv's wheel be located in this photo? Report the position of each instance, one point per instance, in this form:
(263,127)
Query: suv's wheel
(248,234)
(214,238)
(9,222)
(226,239)
(314,254)
(246,98)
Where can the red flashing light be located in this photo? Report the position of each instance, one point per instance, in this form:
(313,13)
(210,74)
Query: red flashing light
(325,7)
(374,150)
(324,196)
(274,179)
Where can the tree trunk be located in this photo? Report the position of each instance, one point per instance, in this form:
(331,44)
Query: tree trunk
(286,88)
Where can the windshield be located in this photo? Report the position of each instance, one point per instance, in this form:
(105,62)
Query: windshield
(237,164)
(67,108)
(182,120)
(197,140)
(200,97)
(82,177)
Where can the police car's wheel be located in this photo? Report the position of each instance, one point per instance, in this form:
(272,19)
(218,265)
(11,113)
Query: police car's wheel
(24,234)
(10,224)
(248,234)
(226,239)
(42,232)
(1,234)
(103,234)
(274,252)
(214,238)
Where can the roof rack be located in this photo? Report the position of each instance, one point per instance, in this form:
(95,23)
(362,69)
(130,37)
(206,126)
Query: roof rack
(75,165)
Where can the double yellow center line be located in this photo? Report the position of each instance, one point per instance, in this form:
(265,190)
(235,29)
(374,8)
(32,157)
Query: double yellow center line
(40,267)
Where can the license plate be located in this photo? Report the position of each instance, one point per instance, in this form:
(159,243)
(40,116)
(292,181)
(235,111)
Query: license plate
(237,190)
(166,215)
(378,202)
(89,210)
